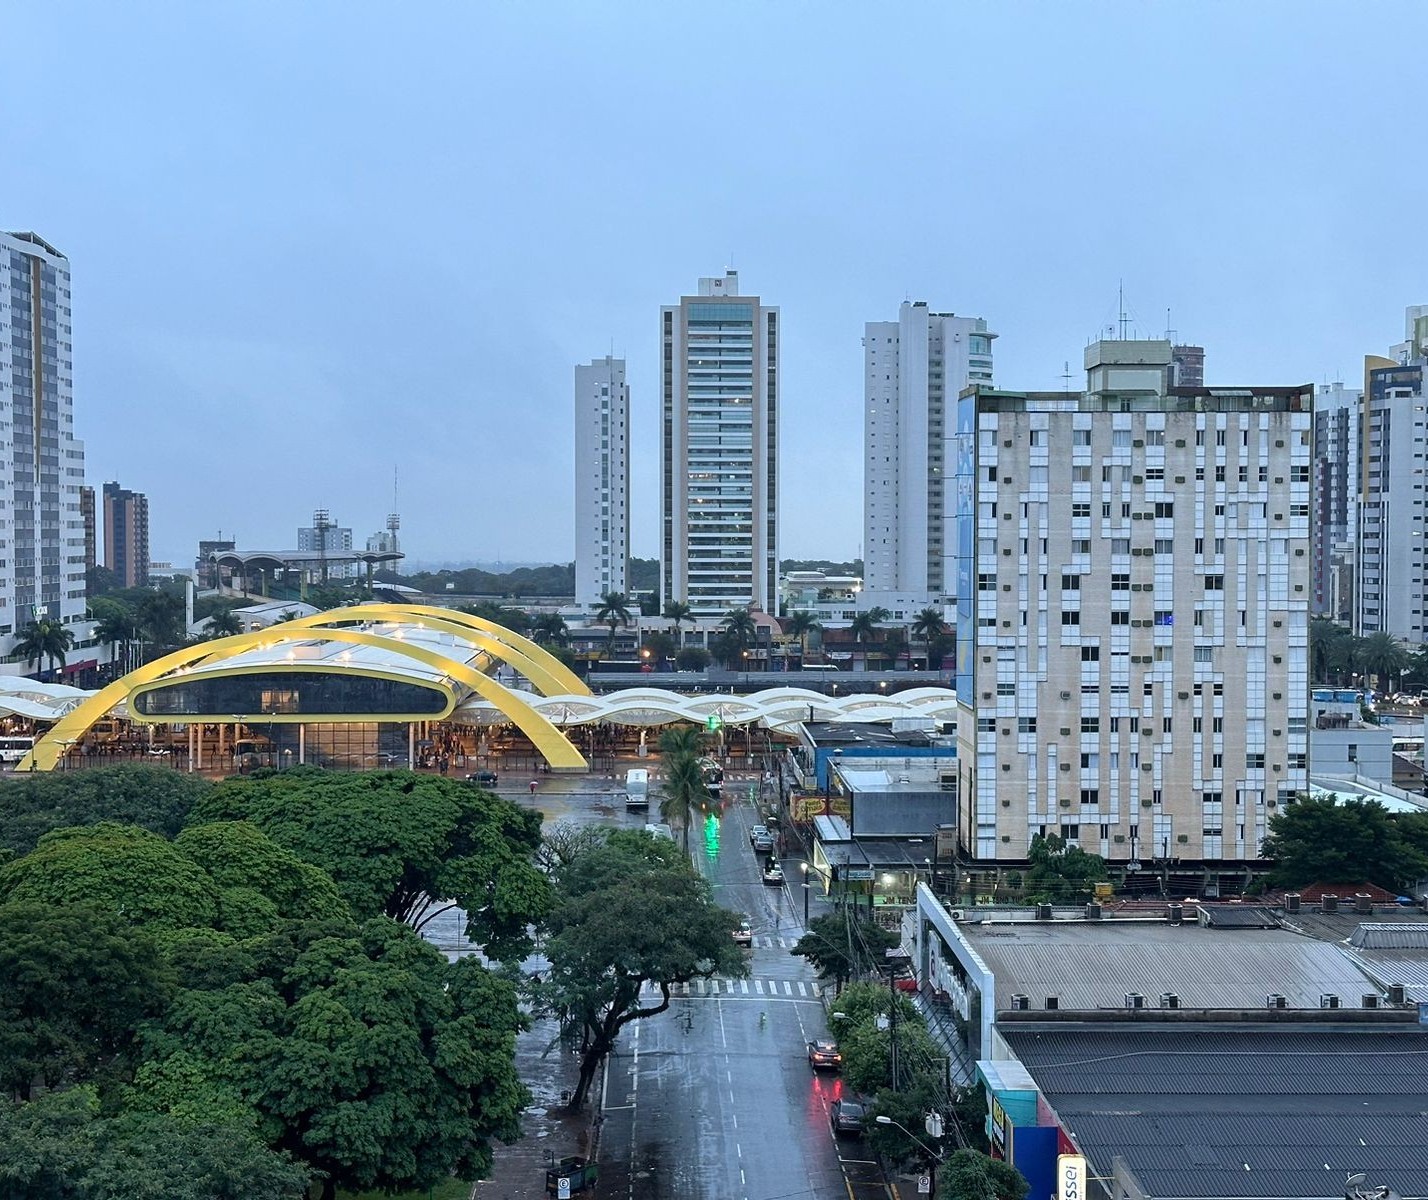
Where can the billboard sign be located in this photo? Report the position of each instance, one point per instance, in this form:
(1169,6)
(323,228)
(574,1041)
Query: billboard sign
(1070,1177)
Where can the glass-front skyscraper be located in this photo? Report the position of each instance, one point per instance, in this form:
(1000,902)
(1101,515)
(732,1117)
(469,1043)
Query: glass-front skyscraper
(719,450)
(41,464)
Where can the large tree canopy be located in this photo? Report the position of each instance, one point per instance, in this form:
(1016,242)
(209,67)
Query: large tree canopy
(1061,874)
(631,911)
(154,798)
(362,1052)
(60,1148)
(77,984)
(844,946)
(399,844)
(1325,840)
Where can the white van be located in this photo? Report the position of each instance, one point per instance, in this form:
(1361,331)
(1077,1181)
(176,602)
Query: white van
(637,788)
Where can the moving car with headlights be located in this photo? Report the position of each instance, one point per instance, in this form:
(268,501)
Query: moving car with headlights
(744,934)
(773,874)
(823,1054)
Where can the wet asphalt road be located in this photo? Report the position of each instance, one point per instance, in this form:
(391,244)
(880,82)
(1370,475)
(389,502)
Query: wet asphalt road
(714,1099)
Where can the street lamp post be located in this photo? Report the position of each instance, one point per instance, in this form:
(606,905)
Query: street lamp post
(933,1156)
(807,887)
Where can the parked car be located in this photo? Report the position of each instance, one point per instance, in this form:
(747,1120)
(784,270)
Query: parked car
(486,777)
(763,843)
(846,1116)
(744,935)
(773,875)
(757,832)
(823,1054)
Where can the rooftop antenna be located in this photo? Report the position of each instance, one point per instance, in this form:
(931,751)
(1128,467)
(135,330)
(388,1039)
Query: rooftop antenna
(1169,332)
(1066,376)
(1122,320)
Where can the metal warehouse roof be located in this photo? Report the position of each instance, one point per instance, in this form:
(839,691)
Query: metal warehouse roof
(1092,964)
(1242,1112)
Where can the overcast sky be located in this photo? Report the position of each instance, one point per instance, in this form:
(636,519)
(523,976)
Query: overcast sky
(314,245)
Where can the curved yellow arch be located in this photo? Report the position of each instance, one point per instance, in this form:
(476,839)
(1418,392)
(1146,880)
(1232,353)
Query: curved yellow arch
(548,674)
(73,725)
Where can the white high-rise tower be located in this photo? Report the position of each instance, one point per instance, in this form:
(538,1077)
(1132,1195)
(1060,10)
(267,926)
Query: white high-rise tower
(41,464)
(602,480)
(914,368)
(719,450)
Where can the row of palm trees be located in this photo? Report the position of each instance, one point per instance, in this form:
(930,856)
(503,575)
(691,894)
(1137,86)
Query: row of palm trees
(738,631)
(1337,656)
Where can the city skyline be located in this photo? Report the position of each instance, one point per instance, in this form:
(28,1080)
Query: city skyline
(265,300)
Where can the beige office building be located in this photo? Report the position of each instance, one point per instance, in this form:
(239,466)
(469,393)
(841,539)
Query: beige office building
(1133,612)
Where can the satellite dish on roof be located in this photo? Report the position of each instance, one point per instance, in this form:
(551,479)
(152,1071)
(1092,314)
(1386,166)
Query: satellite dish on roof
(1355,1179)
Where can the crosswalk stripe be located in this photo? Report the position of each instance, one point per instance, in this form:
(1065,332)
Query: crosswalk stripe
(744,986)
(787,988)
(759,986)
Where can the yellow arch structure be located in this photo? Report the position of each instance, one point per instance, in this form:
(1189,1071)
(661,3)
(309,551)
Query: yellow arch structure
(70,728)
(548,674)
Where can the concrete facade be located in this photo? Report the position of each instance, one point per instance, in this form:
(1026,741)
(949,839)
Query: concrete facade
(42,464)
(126,535)
(1337,435)
(602,480)
(1133,612)
(719,385)
(913,370)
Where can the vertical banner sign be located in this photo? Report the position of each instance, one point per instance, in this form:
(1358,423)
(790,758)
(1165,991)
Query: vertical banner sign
(1070,1177)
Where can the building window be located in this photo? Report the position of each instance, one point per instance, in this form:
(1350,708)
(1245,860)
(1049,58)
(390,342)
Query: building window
(1164,509)
(1081,510)
(1090,724)
(1090,654)
(1090,796)
(1071,617)
(1026,724)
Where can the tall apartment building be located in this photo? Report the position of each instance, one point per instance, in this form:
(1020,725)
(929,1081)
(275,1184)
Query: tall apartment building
(41,462)
(1392,556)
(126,535)
(719,459)
(1133,609)
(913,370)
(90,520)
(602,480)
(1337,414)
(321,537)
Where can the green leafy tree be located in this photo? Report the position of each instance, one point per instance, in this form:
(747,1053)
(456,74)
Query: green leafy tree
(967,1175)
(360,1051)
(160,616)
(918,1094)
(154,798)
(614,611)
(44,640)
(630,912)
(60,1147)
(1330,647)
(78,983)
(515,619)
(692,658)
(563,842)
(658,647)
(681,739)
(867,1055)
(842,946)
(119,869)
(1328,840)
(862,1003)
(404,845)
(1060,874)
(800,624)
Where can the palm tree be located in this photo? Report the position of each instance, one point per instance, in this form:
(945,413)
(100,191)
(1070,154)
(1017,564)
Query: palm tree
(677,740)
(864,626)
(44,639)
(550,627)
(118,624)
(684,793)
(614,611)
(927,625)
(1329,645)
(740,632)
(223,623)
(161,619)
(1383,657)
(801,624)
(678,613)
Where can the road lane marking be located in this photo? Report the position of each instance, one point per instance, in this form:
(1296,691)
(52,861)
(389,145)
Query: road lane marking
(787,988)
(723,1033)
(759,986)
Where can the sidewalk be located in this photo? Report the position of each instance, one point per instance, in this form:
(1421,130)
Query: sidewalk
(550,1072)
